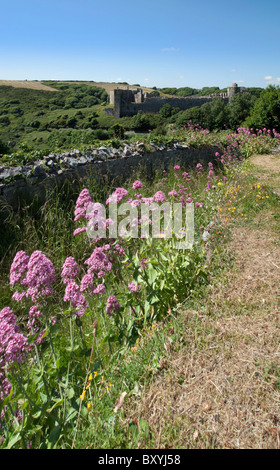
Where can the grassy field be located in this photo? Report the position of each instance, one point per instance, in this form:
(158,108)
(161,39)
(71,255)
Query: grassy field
(32,85)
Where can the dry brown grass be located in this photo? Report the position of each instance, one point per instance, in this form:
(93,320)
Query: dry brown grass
(222,387)
(36,85)
(267,168)
(26,84)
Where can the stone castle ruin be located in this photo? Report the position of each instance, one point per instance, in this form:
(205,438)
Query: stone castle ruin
(128,102)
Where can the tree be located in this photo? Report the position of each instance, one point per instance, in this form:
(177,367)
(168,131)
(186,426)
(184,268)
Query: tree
(239,108)
(266,110)
(214,115)
(165,111)
(118,131)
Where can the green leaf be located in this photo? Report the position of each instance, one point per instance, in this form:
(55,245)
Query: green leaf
(54,435)
(9,397)
(13,440)
(152,274)
(58,402)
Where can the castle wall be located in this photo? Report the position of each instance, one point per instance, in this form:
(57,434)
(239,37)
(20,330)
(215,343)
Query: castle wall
(130,102)
(153,105)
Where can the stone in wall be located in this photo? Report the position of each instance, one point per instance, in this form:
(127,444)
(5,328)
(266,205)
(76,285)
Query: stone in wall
(71,168)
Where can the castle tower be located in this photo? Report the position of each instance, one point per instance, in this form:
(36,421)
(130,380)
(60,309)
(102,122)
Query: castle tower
(233,90)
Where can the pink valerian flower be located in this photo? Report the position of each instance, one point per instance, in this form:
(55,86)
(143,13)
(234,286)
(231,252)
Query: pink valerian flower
(40,271)
(119,249)
(176,168)
(112,305)
(173,193)
(159,197)
(133,287)
(5,389)
(147,200)
(18,296)
(137,184)
(199,204)
(33,324)
(13,344)
(98,261)
(82,204)
(135,203)
(76,298)
(18,268)
(117,195)
(79,230)
(144,263)
(86,282)
(40,274)
(199,167)
(100,289)
(70,270)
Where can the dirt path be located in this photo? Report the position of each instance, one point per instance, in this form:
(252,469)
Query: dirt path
(222,389)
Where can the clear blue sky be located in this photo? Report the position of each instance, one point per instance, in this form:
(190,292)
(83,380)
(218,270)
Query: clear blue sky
(151,42)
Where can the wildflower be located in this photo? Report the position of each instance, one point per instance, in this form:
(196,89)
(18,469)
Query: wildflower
(147,200)
(79,230)
(76,298)
(133,287)
(13,344)
(117,195)
(137,184)
(112,304)
(70,270)
(82,397)
(159,197)
(176,168)
(173,193)
(86,282)
(40,275)
(82,204)
(144,263)
(100,289)
(89,406)
(98,261)
(18,267)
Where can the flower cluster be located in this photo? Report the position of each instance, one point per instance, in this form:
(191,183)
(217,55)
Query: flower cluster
(70,270)
(36,274)
(112,305)
(76,298)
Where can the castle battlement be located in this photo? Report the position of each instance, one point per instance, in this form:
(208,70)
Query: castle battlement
(128,102)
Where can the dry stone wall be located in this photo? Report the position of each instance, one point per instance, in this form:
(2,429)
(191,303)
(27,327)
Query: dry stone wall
(26,183)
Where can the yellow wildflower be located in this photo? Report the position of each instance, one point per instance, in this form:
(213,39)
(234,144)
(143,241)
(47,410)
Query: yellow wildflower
(89,406)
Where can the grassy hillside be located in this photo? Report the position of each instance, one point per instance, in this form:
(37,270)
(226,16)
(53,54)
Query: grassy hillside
(50,115)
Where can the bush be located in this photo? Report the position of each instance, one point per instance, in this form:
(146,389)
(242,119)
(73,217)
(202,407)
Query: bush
(266,110)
